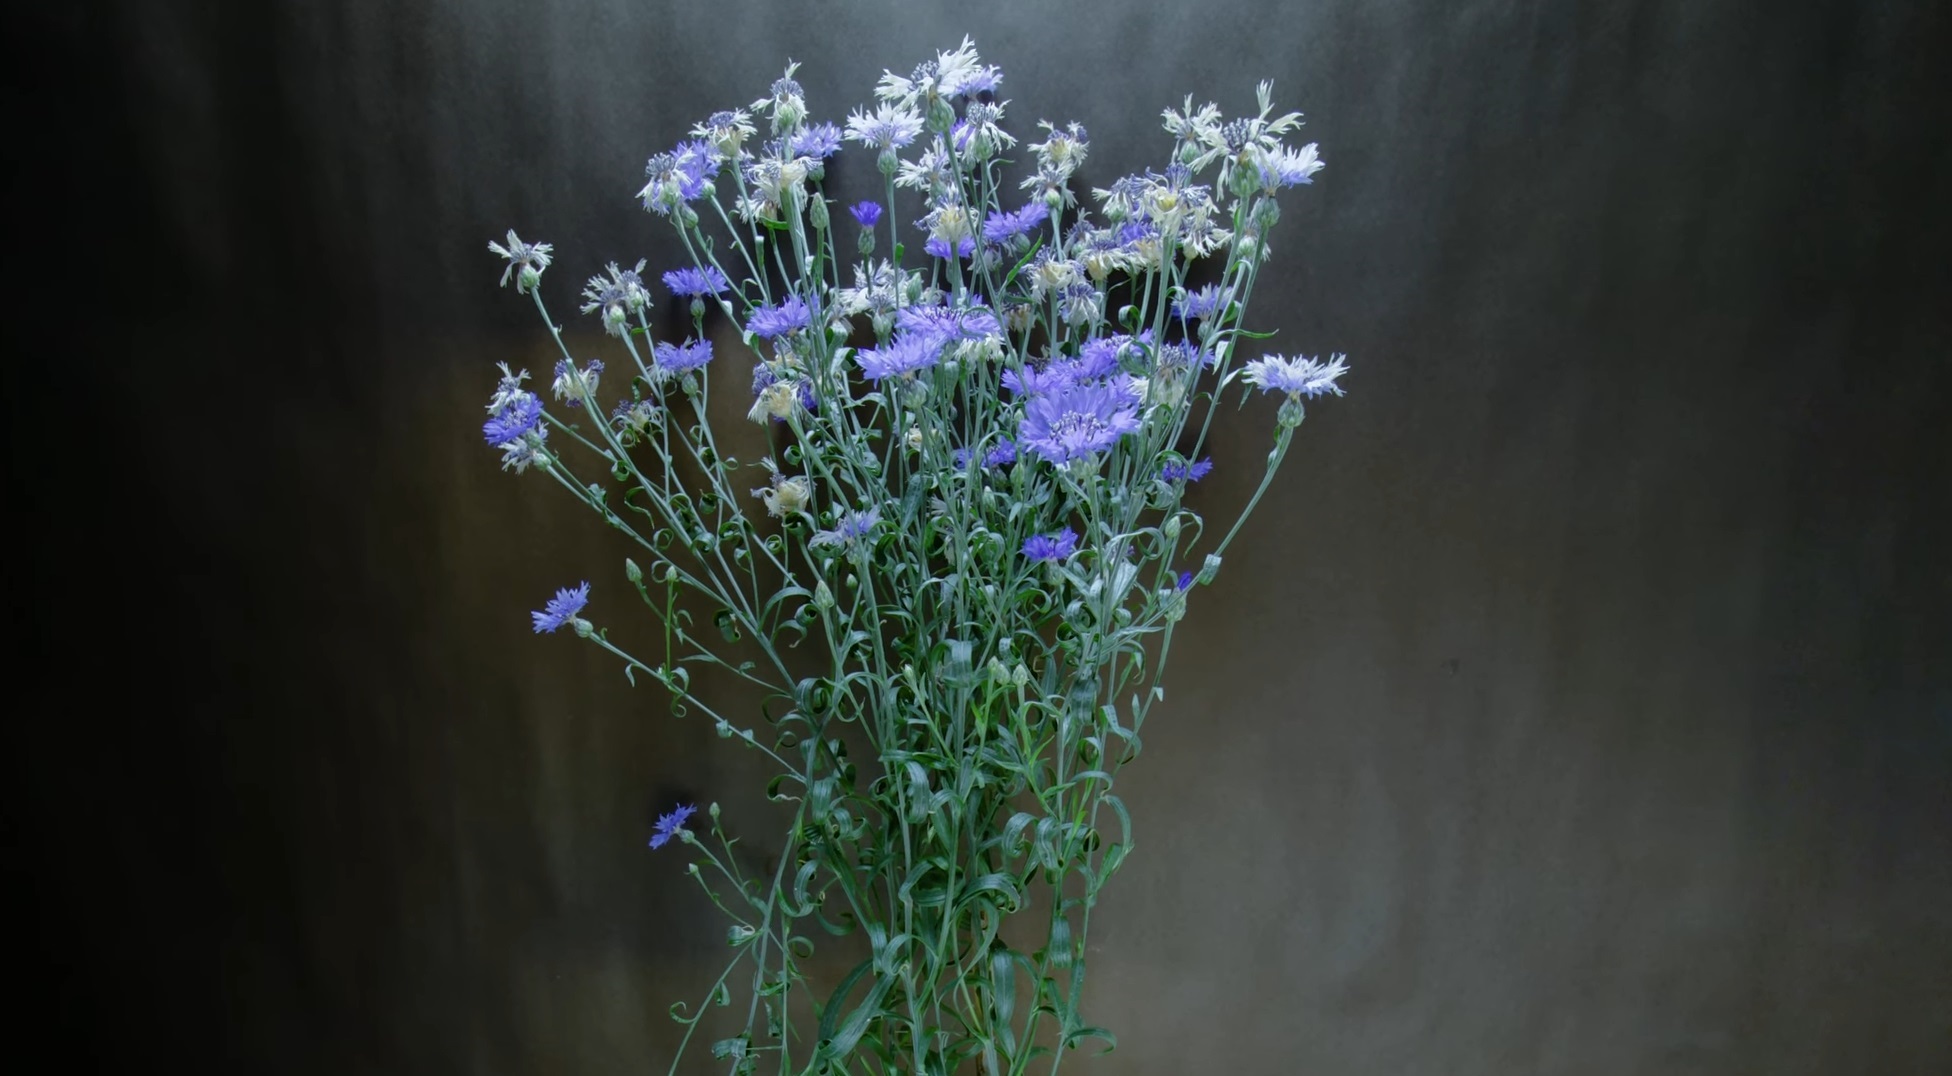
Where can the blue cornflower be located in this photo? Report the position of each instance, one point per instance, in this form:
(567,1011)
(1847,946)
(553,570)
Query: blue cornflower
(1041,380)
(904,355)
(1298,376)
(1203,304)
(1002,226)
(520,415)
(562,608)
(1181,471)
(680,176)
(1049,547)
(668,825)
(678,359)
(867,213)
(946,324)
(849,528)
(939,248)
(771,321)
(1077,421)
(1004,452)
(696,283)
(819,140)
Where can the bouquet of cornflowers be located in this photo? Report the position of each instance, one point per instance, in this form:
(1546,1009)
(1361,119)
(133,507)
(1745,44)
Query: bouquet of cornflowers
(974,546)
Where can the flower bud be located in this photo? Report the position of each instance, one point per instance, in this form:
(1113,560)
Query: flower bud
(1170,528)
(632,572)
(697,307)
(823,597)
(817,214)
(888,162)
(1208,570)
(866,243)
(942,115)
(738,934)
(584,629)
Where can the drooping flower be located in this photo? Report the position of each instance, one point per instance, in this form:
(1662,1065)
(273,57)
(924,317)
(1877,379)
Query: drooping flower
(522,414)
(771,321)
(668,825)
(905,354)
(1298,376)
(1051,547)
(866,213)
(562,608)
(850,528)
(572,385)
(1077,421)
(1181,471)
(696,283)
(677,359)
(819,140)
(526,261)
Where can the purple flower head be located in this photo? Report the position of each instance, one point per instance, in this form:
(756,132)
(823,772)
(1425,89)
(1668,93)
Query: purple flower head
(520,415)
(1005,226)
(1004,453)
(771,321)
(946,325)
(1100,357)
(851,527)
(1204,304)
(1041,380)
(680,176)
(818,140)
(866,213)
(939,248)
(696,283)
(1077,421)
(562,608)
(959,459)
(678,359)
(1298,376)
(668,825)
(1184,583)
(1181,471)
(906,354)
(1051,547)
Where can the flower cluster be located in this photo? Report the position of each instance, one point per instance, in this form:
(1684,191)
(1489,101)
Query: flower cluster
(971,535)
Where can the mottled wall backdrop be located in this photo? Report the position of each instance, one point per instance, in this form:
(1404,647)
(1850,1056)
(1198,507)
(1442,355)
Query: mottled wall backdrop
(1578,703)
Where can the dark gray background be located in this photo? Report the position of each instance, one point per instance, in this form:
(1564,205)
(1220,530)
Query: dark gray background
(1577,703)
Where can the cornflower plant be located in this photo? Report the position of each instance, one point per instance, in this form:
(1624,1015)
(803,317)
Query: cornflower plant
(973,548)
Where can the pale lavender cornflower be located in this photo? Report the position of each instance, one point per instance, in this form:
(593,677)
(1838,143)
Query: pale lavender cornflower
(526,261)
(677,359)
(819,140)
(904,355)
(949,75)
(562,608)
(1182,471)
(1202,305)
(1051,547)
(850,528)
(668,825)
(572,384)
(1284,167)
(867,214)
(680,176)
(771,321)
(696,283)
(724,132)
(1001,227)
(1077,421)
(889,127)
(1298,376)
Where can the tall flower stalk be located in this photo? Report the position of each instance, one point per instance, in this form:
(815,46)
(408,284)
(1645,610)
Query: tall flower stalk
(969,550)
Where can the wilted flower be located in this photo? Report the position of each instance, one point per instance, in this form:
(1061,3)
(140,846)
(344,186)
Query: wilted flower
(572,385)
(784,495)
(526,261)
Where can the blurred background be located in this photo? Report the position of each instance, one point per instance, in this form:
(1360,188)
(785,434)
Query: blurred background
(1577,702)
